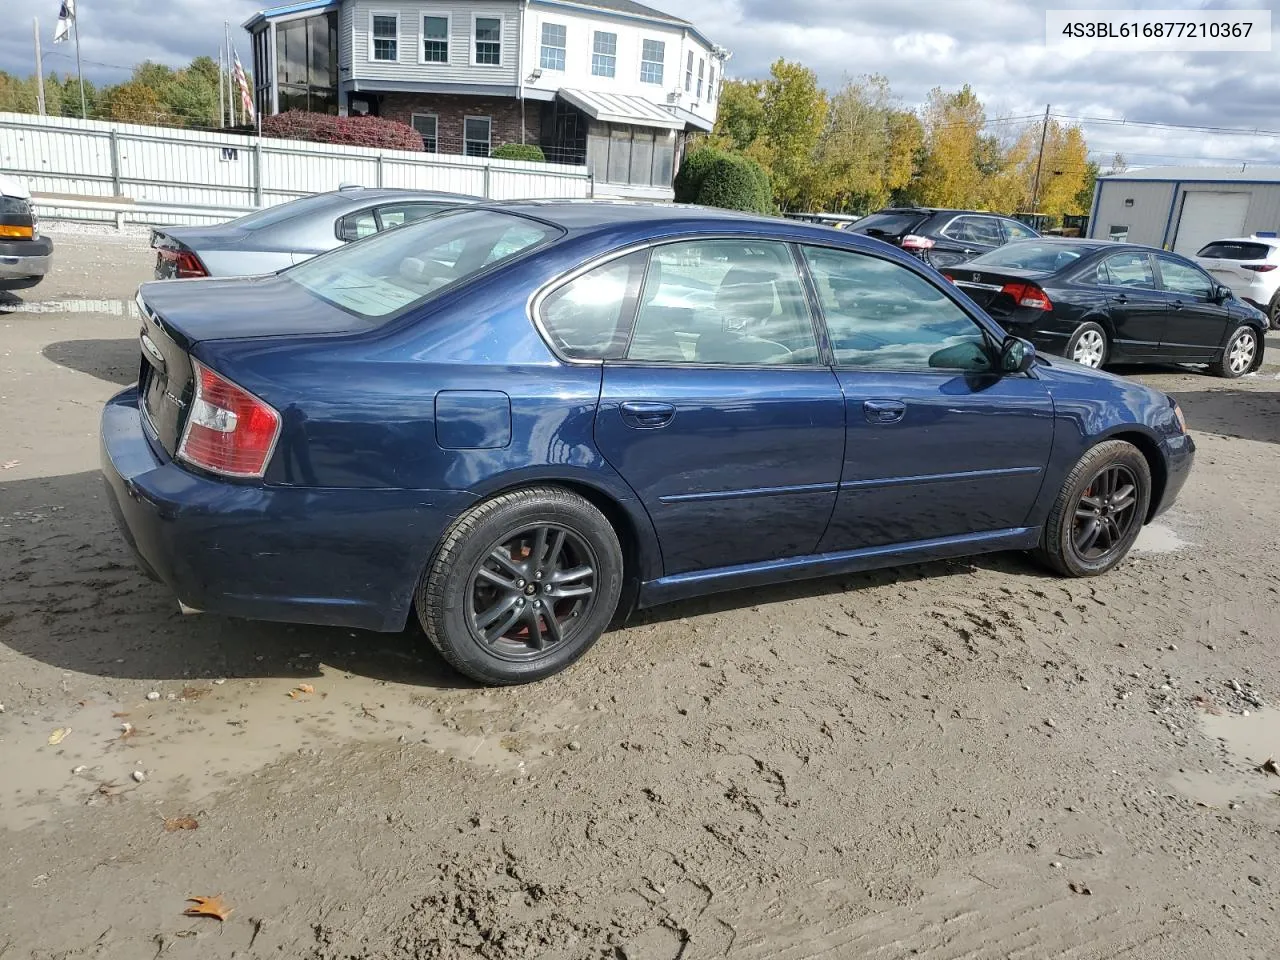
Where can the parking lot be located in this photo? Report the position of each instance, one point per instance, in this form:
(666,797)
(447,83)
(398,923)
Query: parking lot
(961,759)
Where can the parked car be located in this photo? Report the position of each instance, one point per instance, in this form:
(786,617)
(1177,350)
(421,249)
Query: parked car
(942,238)
(1247,265)
(276,237)
(25,256)
(1096,302)
(506,422)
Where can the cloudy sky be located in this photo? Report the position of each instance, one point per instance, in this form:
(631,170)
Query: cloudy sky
(998,46)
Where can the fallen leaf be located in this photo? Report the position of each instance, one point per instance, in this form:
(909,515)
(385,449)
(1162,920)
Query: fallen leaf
(127,730)
(122,713)
(366,712)
(1268,767)
(295,695)
(193,693)
(179,823)
(58,736)
(1080,888)
(306,688)
(207,907)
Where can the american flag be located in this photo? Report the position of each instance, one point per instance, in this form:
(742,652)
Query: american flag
(246,98)
(66,17)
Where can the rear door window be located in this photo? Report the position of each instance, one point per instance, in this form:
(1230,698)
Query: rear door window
(1017,231)
(984,230)
(1131,269)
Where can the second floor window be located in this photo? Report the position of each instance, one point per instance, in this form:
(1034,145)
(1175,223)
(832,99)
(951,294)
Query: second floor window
(702,69)
(688,74)
(652,55)
(435,39)
(489,41)
(604,54)
(386,36)
(553,44)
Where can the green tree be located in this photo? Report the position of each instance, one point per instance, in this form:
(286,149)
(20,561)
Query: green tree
(867,149)
(740,116)
(795,115)
(1084,198)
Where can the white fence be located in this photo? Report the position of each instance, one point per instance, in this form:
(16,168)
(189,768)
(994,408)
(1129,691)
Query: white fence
(163,175)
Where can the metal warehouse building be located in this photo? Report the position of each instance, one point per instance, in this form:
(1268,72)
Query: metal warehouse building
(1183,208)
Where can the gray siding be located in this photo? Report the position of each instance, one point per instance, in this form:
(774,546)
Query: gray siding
(1146,219)
(1149,219)
(346,18)
(408,68)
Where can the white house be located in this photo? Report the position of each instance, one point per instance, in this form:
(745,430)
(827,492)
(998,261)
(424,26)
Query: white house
(613,84)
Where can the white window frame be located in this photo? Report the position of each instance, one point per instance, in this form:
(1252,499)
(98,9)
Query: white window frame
(466,139)
(614,56)
(434,116)
(711,84)
(448,39)
(475,18)
(661,64)
(688,74)
(543,45)
(702,73)
(373,58)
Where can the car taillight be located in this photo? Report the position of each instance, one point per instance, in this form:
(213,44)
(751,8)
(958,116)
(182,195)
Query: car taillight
(1259,267)
(1028,295)
(229,430)
(914,242)
(186,264)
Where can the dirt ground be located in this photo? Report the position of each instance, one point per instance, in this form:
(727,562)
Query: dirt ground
(961,759)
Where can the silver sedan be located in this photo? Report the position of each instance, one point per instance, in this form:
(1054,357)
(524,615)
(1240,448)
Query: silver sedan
(276,237)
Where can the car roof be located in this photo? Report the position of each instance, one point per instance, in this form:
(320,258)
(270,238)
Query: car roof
(934,210)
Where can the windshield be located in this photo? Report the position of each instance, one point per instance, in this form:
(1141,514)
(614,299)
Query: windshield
(409,265)
(283,211)
(889,223)
(1031,255)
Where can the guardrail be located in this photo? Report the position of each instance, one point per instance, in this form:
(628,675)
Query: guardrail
(145,213)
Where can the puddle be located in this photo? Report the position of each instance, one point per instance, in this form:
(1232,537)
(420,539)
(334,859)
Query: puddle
(211,735)
(1245,743)
(114,308)
(1158,538)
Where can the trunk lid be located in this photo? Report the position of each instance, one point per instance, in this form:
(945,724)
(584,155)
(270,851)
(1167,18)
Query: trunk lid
(177,315)
(988,287)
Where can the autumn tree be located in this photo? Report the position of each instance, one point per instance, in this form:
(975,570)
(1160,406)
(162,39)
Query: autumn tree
(740,115)
(953,124)
(868,148)
(795,114)
(135,102)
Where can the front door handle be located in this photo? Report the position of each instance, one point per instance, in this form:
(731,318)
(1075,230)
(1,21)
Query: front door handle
(884,411)
(1177,304)
(646,414)
(1121,299)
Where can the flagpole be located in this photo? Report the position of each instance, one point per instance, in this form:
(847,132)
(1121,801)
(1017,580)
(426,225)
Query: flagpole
(75,27)
(222,106)
(231,102)
(40,105)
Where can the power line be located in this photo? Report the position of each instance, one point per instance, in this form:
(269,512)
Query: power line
(1114,121)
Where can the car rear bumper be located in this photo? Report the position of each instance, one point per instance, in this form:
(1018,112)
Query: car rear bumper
(343,557)
(1179,454)
(22,259)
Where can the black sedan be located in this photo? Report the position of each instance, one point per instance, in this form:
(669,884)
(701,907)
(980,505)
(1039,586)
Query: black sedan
(1097,302)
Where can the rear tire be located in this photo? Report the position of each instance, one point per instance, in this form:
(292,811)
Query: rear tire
(1109,488)
(521,586)
(1239,355)
(1088,346)
(1273,312)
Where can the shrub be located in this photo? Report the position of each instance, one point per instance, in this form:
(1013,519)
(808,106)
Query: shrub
(351,131)
(520,151)
(734,183)
(764,186)
(693,170)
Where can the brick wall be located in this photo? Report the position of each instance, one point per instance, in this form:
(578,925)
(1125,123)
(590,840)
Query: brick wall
(451,109)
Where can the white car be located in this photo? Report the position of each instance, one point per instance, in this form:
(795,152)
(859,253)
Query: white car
(25,256)
(1250,266)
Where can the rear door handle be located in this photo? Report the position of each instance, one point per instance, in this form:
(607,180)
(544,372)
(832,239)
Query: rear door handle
(884,411)
(646,414)
(1177,304)
(1121,299)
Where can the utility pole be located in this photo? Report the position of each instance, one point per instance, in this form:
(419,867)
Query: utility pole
(35,29)
(1035,189)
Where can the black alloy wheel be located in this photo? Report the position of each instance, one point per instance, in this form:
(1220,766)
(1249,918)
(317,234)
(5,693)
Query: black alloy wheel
(532,591)
(1105,514)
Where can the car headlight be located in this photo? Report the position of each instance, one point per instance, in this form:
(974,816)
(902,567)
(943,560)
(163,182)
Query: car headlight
(1177,415)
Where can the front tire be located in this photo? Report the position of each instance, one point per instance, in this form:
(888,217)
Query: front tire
(522,586)
(1099,511)
(1088,346)
(1273,312)
(1238,356)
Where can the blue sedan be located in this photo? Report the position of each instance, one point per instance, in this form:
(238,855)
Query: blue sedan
(515,421)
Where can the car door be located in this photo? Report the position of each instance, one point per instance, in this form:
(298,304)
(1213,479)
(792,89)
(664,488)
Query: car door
(937,445)
(1137,307)
(719,413)
(1195,322)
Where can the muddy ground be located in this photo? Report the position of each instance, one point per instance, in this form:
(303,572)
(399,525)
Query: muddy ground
(962,759)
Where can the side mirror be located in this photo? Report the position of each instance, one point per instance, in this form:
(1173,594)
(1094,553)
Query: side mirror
(1016,355)
(1221,294)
